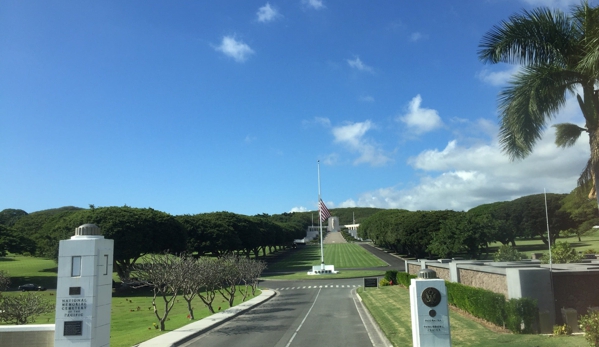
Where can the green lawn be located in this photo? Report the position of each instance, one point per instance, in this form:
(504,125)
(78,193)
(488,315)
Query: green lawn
(343,256)
(22,269)
(390,307)
(132,315)
(342,274)
(536,245)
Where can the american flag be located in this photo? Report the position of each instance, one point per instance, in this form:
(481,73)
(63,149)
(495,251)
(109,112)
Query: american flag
(324,211)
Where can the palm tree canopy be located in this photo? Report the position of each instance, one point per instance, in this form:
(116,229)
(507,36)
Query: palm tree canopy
(550,45)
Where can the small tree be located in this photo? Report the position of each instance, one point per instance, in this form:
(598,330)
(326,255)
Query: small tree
(209,270)
(250,270)
(230,276)
(192,283)
(561,253)
(4,280)
(23,308)
(590,325)
(165,274)
(508,253)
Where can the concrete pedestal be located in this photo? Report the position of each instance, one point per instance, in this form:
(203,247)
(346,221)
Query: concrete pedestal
(430,313)
(84,289)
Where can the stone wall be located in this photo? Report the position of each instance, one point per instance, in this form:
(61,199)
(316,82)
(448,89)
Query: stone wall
(442,272)
(490,281)
(413,269)
(577,290)
(41,335)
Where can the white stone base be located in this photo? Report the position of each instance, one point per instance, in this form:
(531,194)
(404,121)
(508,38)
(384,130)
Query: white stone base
(323,270)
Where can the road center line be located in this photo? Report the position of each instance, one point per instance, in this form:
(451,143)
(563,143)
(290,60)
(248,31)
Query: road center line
(303,320)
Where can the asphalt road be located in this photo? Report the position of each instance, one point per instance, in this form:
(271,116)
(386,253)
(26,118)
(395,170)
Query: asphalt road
(304,313)
(394,262)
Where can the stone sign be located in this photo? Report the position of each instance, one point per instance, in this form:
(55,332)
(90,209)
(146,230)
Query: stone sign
(430,313)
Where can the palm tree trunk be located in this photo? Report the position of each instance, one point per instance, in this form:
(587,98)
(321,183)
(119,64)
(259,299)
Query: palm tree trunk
(594,144)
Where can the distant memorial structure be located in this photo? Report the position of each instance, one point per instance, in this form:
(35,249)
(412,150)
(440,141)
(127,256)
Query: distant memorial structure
(84,289)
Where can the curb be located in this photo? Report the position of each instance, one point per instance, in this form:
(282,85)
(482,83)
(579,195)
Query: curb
(192,330)
(376,335)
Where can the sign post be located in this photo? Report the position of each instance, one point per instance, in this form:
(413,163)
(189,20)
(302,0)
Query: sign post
(372,282)
(430,312)
(84,289)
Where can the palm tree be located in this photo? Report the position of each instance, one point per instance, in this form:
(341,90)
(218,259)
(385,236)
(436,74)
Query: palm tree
(552,48)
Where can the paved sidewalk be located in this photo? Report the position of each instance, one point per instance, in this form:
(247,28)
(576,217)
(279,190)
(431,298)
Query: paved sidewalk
(191,330)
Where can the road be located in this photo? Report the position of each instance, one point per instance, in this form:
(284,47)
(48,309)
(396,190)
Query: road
(304,313)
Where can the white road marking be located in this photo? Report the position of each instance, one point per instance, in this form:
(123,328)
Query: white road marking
(302,323)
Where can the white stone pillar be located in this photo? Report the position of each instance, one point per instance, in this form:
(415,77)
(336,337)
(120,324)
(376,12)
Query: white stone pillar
(430,312)
(84,289)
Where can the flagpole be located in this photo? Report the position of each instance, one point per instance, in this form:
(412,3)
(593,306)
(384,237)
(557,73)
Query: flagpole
(320,221)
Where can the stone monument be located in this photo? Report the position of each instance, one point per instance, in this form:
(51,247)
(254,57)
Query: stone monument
(84,289)
(430,313)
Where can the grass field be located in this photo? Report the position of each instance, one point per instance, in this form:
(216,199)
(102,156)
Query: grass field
(390,307)
(343,256)
(304,276)
(132,315)
(589,241)
(22,269)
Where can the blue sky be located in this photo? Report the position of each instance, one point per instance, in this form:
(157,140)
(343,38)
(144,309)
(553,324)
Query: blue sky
(200,106)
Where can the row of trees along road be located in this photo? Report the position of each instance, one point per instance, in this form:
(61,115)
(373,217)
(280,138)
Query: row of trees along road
(447,233)
(170,276)
(141,231)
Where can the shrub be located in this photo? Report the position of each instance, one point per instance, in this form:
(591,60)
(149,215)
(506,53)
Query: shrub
(391,276)
(590,325)
(384,282)
(561,253)
(493,307)
(520,315)
(403,278)
(562,330)
(508,253)
(590,251)
(478,302)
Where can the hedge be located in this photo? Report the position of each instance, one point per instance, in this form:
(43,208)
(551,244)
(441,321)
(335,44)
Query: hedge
(404,278)
(488,305)
(493,307)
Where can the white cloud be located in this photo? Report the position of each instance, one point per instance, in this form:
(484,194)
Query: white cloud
(331,159)
(235,49)
(498,78)
(315,4)
(416,36)
(359,65)
(250,139)
(420,120)
(460,177)
(367,98)
(299,209)
(563,4)
(322,121)
(352,137)
(267,13)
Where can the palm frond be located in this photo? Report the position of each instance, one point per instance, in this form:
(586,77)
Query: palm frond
(587,19)
(534,96)
(586,176)
(539,36)
(566,134)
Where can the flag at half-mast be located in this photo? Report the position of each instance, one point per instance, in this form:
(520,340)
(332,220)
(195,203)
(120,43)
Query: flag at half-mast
(324,211)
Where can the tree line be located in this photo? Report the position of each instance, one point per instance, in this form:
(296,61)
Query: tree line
(141,231)
(448,233)
(171,276)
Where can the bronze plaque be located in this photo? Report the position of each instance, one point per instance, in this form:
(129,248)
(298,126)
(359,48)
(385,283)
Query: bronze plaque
(73,328)
(74,290)
(431,296)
